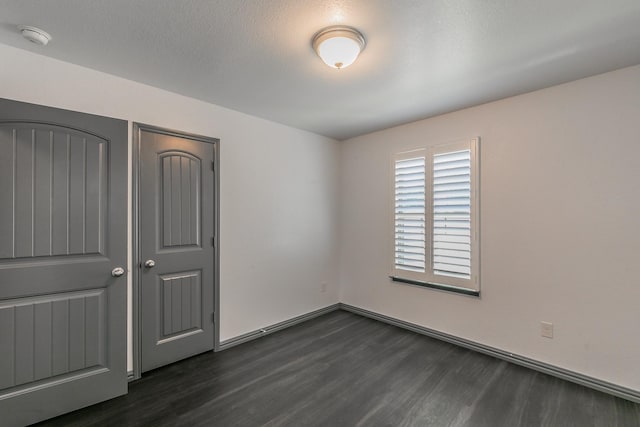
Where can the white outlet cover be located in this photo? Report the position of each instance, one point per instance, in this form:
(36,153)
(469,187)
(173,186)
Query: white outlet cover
(546,329)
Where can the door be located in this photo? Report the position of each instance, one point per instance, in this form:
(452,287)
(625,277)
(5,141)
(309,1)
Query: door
(63,205)
(176,239)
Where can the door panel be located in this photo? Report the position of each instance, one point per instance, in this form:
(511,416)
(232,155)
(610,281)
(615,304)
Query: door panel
(62,231)
(181,204)
(176,217)
(51,335)
(57,191)
(180,300)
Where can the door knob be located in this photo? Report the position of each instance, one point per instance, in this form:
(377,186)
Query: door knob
(149,263)
(117,272)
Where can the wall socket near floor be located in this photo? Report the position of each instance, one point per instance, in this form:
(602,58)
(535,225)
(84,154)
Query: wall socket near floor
(546,329)
(323,287)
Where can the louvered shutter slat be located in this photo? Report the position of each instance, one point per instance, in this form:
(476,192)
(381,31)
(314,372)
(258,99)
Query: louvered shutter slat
(410,223)
(451,225)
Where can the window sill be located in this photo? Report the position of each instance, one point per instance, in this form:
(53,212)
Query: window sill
(441,287)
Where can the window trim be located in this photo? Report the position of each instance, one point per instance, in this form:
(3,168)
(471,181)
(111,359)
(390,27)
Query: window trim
(429,279)
(438,286)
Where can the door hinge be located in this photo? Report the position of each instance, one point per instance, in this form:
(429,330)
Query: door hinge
(213,317)
(213,241)
(213,166)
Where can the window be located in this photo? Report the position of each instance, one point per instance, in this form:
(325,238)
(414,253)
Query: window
(435,217)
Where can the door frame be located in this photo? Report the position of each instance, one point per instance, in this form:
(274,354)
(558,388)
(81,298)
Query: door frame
(135,232)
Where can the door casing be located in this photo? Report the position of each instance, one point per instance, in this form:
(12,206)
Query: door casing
(136,255)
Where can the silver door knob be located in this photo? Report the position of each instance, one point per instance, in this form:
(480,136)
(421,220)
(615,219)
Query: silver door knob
(149,263)
(117,272)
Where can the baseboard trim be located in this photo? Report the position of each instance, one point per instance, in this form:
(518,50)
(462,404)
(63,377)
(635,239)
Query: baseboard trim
(240,339)
(555,371)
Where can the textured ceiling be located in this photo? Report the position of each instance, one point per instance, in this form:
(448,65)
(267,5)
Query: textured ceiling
(422,58)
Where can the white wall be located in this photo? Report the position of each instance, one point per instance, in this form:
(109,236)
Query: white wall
(278,201)
(559,217)
(560,226)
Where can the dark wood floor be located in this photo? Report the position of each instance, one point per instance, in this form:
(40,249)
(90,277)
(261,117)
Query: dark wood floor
(345,370)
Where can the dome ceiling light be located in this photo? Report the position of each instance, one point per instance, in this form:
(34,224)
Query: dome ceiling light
(338,46)
(35,35)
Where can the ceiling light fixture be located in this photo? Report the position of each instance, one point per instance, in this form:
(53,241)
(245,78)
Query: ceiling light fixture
(338,46)
(35,35)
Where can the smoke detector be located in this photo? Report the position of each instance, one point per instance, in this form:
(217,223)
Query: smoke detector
(35,35)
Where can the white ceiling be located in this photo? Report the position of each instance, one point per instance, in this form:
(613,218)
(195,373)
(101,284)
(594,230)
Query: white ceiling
(422,58)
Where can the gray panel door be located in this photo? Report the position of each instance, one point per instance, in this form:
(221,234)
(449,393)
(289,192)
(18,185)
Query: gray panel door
(176,229)
(62,232)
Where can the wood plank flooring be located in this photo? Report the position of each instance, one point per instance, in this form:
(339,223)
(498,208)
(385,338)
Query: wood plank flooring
(342,369)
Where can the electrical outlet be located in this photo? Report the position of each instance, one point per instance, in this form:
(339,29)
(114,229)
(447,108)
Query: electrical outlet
(546,329)
(323,287)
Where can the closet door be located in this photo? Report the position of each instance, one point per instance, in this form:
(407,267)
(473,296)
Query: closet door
(176,222)
(63,252)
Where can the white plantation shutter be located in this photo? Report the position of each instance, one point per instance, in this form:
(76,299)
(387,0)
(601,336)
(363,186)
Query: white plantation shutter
(435,217)
(409,214)
(452,214)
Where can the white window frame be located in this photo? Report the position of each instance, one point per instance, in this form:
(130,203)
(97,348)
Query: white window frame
(428,278)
